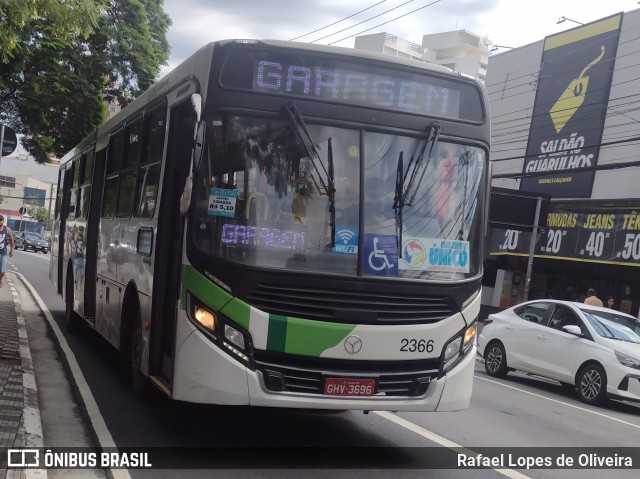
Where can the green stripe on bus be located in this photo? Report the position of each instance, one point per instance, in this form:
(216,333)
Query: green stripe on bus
(238,312)
(202,288)
(277,336)
(304,336)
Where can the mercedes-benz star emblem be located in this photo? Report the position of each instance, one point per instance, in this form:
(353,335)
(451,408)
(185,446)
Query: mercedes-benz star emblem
(353,344)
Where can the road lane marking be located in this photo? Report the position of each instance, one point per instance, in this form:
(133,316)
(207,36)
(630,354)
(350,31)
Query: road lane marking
(561,402)
(432,436)
(93,411)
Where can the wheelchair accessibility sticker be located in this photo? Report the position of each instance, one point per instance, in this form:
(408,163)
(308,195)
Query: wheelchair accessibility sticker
(380,255)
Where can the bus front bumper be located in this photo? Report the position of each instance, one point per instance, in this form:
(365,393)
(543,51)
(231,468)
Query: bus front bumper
(205,374)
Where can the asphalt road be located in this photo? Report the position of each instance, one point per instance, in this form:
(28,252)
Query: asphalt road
(519,411)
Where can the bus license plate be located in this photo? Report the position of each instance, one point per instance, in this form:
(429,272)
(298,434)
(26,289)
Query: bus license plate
(349,387)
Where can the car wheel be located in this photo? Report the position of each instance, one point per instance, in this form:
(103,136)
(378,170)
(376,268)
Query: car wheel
(139,383)
(495,360)
(592,384)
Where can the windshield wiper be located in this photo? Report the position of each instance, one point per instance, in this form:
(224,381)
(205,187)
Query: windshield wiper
(304,137)
(331,192)
(411,187)
(398,203)
(406,190)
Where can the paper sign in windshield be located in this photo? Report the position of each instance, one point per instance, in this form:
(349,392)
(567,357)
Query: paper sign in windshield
(432,254)
(222,202)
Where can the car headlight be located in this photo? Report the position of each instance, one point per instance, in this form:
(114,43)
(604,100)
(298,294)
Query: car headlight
(229,336)
(458,347)
(627,360)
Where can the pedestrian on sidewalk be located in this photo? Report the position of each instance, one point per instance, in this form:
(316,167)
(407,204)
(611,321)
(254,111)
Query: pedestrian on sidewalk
(6,240)
(592,298)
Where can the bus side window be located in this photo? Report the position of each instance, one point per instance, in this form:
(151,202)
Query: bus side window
(110,197)
(148,181)
(130,159)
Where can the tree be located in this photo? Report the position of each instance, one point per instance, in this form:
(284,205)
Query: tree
(69,18)
(40,213)
(53,88)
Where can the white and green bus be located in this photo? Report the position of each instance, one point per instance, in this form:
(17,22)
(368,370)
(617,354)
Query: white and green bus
(287,225)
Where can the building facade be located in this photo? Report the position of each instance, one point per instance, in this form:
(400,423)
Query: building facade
(23,182)
(566,125)
(460,50)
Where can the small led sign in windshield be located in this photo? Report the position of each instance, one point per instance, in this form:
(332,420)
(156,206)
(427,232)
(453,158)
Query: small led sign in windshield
(278,238)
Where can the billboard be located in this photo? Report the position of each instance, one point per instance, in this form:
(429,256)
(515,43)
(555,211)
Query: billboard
(570,107)
(607,234)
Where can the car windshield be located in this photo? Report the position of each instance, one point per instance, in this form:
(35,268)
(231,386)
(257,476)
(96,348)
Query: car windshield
(617,317)
(286,193)
(609,329)
(34,236)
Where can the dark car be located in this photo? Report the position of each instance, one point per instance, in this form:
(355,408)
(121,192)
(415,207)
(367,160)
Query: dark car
(25,240)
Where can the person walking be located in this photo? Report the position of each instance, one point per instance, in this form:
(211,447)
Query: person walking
(592,298)
(6,239)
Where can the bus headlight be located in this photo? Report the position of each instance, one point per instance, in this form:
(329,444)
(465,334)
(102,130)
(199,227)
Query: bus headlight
(458,347)
(205,317)
(451,352)
(234,336)
(228,335)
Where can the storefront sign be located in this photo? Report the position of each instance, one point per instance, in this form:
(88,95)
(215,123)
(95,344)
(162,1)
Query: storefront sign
(569,110)
(596,235)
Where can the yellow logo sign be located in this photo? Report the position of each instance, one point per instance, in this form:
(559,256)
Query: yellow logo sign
(572,98)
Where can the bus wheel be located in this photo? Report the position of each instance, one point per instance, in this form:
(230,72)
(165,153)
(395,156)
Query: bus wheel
(71,317)
(139,383)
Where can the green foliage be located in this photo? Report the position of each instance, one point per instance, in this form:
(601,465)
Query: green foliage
(68,18)
(64,58)
(39,213)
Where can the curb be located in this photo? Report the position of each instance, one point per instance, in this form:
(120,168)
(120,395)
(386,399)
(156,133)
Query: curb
(31,421)
(80,389)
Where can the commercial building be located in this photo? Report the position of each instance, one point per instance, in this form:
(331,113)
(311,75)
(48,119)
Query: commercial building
(566,124)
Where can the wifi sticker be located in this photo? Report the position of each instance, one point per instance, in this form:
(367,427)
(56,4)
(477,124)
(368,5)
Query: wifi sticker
(346,241)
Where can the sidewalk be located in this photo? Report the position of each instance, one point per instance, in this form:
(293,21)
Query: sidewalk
(20,424)
(46,415)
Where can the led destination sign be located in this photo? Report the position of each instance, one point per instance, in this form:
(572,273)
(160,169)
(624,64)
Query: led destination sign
(354,81)
(356,87)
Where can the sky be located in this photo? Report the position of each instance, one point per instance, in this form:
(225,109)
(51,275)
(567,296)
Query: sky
(511,23)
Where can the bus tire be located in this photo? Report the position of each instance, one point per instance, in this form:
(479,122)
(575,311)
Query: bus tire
(139,382)
(71,318)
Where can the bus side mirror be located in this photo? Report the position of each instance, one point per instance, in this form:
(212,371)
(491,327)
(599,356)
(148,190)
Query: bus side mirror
(196,103)
(198,149)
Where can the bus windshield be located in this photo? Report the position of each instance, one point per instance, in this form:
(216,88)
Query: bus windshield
(261,198)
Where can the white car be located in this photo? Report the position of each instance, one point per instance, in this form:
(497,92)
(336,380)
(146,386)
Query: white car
(596,350)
